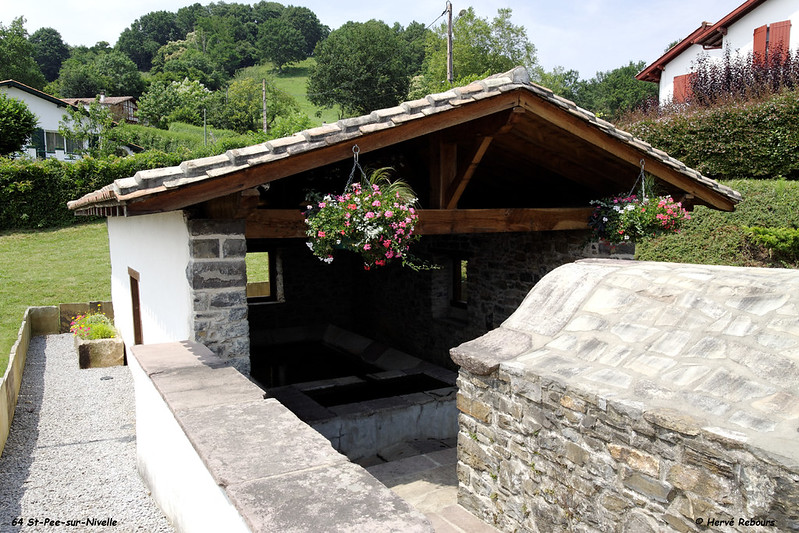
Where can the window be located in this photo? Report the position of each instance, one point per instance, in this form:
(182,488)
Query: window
(73,146)
(772,39)
(53,141)
(261,276)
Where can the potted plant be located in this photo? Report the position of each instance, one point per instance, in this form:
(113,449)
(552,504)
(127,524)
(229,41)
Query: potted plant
(374,218)
(619,219)
(96,340)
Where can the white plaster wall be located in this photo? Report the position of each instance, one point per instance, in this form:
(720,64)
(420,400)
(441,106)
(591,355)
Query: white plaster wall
(157,247)
(739,39)
(170,467)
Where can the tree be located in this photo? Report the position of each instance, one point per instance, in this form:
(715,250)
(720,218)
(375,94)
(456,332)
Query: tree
(89,72)
(16,56)
(240,108)
(291,36)
(280,43)
(146,35)
(610,94)
(49,51)
(360,67)
(17,124)
(90,127)
(179,60)
(565,83)
(177,101)
(479,47)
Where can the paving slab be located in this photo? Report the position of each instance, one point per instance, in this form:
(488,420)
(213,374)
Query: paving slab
(341,497)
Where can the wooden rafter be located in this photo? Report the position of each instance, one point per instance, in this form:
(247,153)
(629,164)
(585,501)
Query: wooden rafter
(290,223)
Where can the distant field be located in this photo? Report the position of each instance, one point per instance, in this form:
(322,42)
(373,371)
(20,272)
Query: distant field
(293,80)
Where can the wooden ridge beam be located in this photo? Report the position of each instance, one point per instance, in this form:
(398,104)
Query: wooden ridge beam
(290,223)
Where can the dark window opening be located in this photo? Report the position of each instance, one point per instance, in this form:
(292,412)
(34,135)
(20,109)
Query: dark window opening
(460,294)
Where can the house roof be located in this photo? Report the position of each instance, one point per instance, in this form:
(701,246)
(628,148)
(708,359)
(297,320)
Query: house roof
(36,92)
(530,116)
(107,100)
(708,35)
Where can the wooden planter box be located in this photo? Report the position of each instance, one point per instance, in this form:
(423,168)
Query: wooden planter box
(100,353)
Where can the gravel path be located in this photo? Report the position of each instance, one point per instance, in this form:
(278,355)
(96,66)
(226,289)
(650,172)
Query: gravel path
(71,454)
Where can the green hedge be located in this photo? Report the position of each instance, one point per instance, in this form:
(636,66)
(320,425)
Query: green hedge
(738,140)
(722,238)
(34,194)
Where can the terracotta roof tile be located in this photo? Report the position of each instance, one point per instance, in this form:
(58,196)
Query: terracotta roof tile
(155,180)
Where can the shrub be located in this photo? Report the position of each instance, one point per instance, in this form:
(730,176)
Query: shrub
(92,326)
(756,139)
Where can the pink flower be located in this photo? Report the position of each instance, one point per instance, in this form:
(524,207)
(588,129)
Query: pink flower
(376,203)
(369,215)
(389,214)
(322,205)
(321,234)
(367,246)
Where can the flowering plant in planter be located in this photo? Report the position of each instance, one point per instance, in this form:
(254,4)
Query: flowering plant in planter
(374,218)
(622,218)
(92,326)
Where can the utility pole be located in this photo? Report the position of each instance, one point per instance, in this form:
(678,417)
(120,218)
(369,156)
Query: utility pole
(450,70)
(263,93)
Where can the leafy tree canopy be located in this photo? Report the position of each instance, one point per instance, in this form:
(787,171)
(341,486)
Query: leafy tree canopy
(146,35)
(291,36)
(90,127)
(49,51)
(166,102)
(361,67)
(17,124)
(480,48)
(16,56)
(611,93)
(240,108)
(89,72)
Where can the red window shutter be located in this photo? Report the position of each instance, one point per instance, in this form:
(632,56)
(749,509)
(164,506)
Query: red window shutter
(759,49)
(779,40)
(682,88)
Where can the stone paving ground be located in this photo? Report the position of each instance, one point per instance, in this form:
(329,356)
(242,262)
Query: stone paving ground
(71,455)
(423,473)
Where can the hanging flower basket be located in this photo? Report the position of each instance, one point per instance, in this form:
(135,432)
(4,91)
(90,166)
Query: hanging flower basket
(628,218)
(373,218)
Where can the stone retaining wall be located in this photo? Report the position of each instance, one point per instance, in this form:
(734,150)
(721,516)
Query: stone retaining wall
(537,456)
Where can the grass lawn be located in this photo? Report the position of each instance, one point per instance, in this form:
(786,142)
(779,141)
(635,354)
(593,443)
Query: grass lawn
(293,80)
(48,267)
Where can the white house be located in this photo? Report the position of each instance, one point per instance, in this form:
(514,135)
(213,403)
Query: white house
(49,111)
(757,27)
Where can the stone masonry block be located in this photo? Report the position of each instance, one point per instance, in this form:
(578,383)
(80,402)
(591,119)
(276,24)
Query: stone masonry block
(649,487)
(473,408)
(202,227)
(217,274)
(205,248)
(635,459)
(234,248)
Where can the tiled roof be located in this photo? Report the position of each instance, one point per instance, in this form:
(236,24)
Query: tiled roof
(148,182)
(107,100)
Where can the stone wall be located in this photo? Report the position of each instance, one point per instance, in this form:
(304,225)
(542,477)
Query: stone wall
(537,456)
(412,311)
(217,276)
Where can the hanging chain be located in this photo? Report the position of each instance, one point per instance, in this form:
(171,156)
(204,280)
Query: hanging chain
(355,165)
(641,178)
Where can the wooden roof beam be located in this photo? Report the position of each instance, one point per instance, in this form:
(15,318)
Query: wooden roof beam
(290,223)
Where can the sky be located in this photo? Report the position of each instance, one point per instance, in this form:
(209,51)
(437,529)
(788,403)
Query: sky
(589,36)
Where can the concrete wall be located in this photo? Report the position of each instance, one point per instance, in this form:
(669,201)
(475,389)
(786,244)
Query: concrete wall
(35,321)
(157,247)
(739,39)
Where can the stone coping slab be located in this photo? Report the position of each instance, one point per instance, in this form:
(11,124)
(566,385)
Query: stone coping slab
(697,348)
(278,472)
